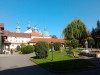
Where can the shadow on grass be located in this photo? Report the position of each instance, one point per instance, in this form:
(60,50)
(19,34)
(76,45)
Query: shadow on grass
(73,65)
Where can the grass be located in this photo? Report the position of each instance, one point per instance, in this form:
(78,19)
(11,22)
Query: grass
(62,62)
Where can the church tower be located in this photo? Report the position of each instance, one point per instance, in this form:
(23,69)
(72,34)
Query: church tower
(34,29)
(29,27)
(45,33)
(18,28)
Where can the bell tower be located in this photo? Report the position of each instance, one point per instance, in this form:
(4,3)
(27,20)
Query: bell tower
(18,28)
(29,27)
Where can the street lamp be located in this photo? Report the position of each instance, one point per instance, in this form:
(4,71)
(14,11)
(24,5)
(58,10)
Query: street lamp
(52,50)
(52,55)
(0,41)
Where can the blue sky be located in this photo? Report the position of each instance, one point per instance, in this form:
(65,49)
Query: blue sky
(52,14)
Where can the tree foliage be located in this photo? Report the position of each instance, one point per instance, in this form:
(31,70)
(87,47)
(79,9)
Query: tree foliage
(96,34)
(41,49)
(57,46)
(75,30)
(74,43)
(98,24)
(53,36)
(67,42)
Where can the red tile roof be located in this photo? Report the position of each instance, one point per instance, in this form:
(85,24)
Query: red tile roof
(13,34)
(47,39)
(1,25)
(35,34)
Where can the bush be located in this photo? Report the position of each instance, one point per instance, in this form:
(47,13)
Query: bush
(18,48)
(57,46)
(74,43)
(27,49)
(22,45)
(69,52)
(41,49)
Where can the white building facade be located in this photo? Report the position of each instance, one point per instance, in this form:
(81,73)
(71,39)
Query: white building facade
(16,38)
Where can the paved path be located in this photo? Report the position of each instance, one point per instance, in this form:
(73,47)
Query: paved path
(20,65)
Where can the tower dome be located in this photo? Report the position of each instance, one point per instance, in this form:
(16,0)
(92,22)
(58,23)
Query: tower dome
(45,33)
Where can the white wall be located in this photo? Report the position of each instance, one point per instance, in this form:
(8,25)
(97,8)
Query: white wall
(15,41)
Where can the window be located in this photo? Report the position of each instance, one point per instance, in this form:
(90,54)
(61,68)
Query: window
(12,45)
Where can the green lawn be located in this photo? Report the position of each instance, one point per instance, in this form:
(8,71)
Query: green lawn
(62,62)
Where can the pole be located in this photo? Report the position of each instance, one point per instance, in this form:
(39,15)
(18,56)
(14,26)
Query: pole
(52,54)
(52,51)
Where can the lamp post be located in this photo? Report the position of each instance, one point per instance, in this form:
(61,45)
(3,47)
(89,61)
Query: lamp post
(52,50)
(0,41)
(52,55)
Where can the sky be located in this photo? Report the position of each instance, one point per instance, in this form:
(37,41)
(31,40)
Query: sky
(55,15)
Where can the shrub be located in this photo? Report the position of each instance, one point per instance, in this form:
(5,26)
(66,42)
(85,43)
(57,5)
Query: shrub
(57,46)
(27,49)
(74,43)
(69,52)
(18,48)
(22,45)
(41,49)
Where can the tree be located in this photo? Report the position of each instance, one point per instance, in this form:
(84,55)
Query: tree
(74,43)
(98,24)
(41,49)
(93,33)
(57,46)
(75,30)
(68,42)
(96,34)
(53,36)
